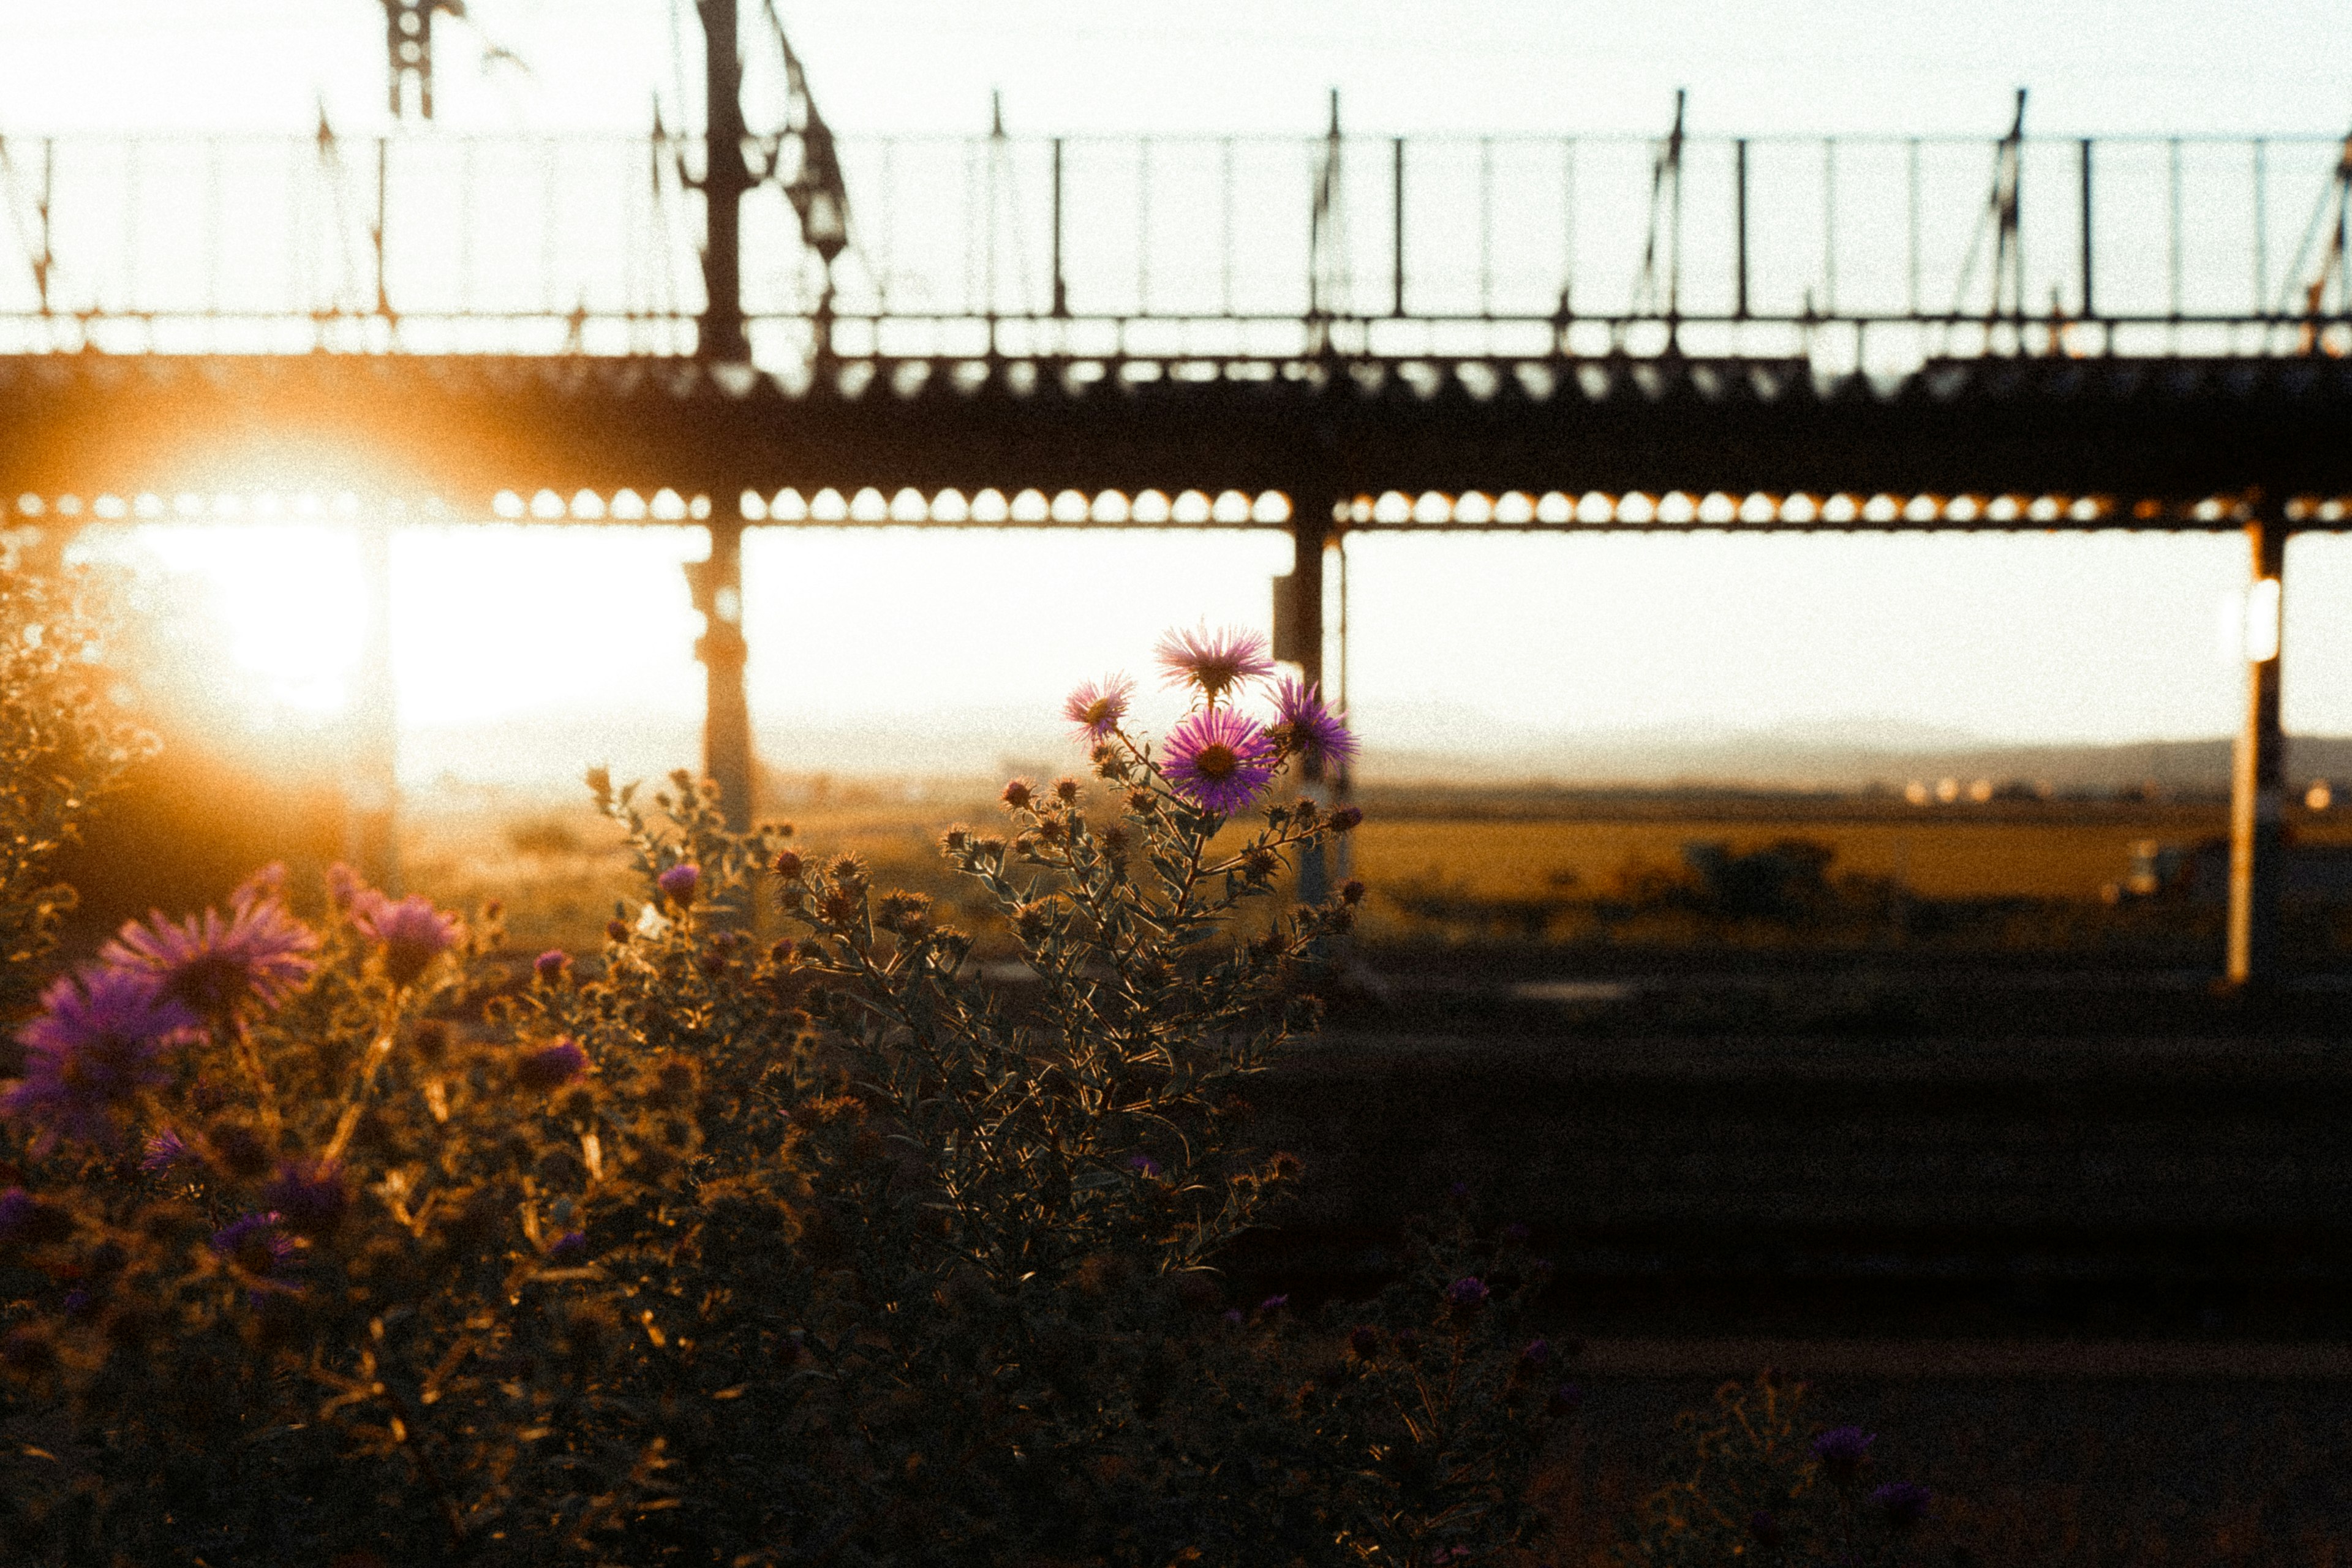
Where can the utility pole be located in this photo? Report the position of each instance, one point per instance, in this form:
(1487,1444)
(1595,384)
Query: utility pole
(726,177)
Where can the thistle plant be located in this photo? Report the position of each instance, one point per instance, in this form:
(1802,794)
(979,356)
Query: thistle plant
(724,1245)
(1758,1488)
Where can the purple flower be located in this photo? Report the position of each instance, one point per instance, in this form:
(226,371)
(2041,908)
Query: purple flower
(1273,1304)
(413,933)
(256,1247)
(1844,1451)
(552,966)
(1144,1165)
(1466,1294)
(1537,1352)
(1305,727)
(97,1046)
(344,888)
(267,885)
(678,883)
(220,969)
(550,1066)
(164,1150)
(1231,1318)
(308,1197)
(1214,662)
(572,1246)
(1097,707)
(1219,760)
(1903,1503)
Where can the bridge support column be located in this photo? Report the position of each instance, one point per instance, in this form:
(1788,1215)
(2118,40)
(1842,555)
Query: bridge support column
(1299,639)
(717,587)
(2257,785)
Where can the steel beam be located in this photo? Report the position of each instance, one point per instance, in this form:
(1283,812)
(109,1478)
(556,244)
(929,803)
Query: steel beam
(2258,788)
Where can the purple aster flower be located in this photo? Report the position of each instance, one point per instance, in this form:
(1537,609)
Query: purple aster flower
(1144,1165)
(97,1046)
(1273,1304)
(1214,662)
(1097,707)
(1537,1352)
(1231,1318)
(1844,1451)
(1305,728)
(267,885)
(164,1150)
(552,966)
(257,1246)
(1903,1503)
(221,969)
(678,883)
(413,933)
(1467,1296)
(308,1197)
(344,887)
(1219,760)
(550,1066)
(572,1246)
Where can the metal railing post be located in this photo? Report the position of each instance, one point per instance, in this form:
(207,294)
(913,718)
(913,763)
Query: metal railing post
(1396,238)
(2089,310)
(1739,226)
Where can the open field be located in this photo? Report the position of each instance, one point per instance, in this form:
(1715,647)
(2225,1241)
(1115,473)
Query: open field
(557,867)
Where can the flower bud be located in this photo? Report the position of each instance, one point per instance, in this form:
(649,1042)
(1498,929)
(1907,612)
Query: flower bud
(550,1066)
(552,967)
(1351,892)
(1066,790)
(678,883)
(787,865)
(1018,793)
(1345,818)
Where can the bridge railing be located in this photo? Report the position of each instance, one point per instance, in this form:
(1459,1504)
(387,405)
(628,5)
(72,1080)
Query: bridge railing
(1876,250)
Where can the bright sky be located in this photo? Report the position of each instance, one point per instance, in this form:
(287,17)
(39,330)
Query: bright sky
(1456,642)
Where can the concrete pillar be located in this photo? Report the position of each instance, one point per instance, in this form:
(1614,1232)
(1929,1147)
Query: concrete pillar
(1300,640)
(725,179)
(371,815)
(717,586)
(2258,787)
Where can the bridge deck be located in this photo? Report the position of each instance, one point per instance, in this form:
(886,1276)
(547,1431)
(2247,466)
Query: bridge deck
(2037,443)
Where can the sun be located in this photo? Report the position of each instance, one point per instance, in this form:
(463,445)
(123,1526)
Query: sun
(289,604)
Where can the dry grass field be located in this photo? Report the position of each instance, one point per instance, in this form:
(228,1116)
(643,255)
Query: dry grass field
(557,867)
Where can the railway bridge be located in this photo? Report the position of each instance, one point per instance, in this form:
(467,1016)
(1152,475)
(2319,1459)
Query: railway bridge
(1333,334)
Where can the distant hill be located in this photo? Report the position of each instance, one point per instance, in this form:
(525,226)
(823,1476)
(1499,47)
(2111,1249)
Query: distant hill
(1411,745)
